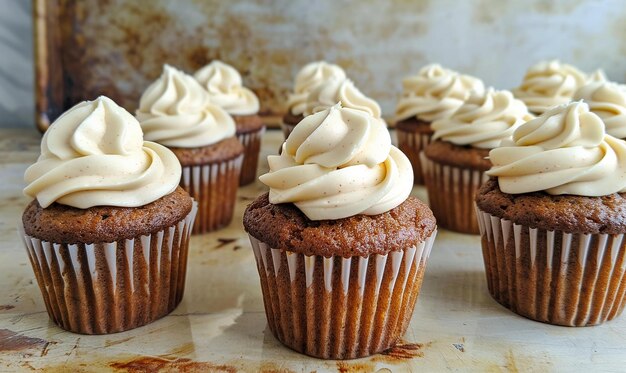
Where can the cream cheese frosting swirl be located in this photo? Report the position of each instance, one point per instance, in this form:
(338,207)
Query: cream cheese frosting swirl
(337,163)
(340,90)
(226,90)
(483,121)
(176,111)
(564,151)
(435,93)
(608,101)
(94,155)
(311,76)
(549,83)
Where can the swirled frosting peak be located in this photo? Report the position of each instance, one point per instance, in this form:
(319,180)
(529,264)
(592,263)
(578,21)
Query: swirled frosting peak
(176,111)
(435,93)
(94,155)
(225,87)
(308,78)
(343,91)
(337,163)
(564,151)
(608,100)
(483,121)
(549,83)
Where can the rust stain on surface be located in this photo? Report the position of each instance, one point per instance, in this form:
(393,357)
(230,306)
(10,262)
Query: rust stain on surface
(346,367)
(109,343)
(159,364)
(268,367)
(12,341)
(403,351)
(511,365)
(6,307)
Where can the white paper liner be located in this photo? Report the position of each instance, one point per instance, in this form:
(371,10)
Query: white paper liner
(251,142)
(412,144)
(451,193)
(340,308)
(214,187)
(103,288)
(551,276)
(287,129)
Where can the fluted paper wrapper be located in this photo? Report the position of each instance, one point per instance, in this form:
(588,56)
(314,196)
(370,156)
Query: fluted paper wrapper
(214,187)
(451,193)
(554,277)
(412,144)
(252,146)
(104,288)
(340,308)
(287,129)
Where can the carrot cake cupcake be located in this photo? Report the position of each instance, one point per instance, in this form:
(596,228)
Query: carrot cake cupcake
(455,162)
(108,230)
(434,93)
(226,90)
(175,111)
(340,245)
(553,219)
(308,78)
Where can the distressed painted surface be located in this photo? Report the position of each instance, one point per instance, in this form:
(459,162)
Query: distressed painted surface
(117,47)
(220,325)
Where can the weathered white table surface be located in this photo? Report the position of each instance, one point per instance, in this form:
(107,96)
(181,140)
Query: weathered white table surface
(220,325)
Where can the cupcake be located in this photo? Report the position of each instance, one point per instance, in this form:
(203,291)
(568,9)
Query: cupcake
(343,91)
(553,219)
(225,89)
(548,84)
(608,101)
(434,93)
(108,230)
(340,246)
(454,164)
(175,111)
(308,78)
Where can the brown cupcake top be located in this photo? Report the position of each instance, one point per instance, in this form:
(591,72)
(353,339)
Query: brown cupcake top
(224,150)
(285,227)
(414,125)
(65,224)
(292,119)
(565,213)
(248,123)
(459,156)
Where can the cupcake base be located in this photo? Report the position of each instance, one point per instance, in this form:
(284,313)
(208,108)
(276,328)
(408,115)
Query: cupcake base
(103,288)
(554,277)
(251,142)
(214,187)
(413,137)
(340,308)
(451,192)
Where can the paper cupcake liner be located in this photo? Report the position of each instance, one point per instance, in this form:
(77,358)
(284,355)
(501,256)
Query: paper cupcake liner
(412,144)
(554,277)
(340,308)
(214,187)
(252,146)
(103,288)
(287,128)
(451,192)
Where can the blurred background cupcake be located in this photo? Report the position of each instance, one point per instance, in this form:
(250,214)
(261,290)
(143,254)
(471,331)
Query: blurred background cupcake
(434,93)
(455,162)
(108,232)
(608,101)
(340,246)
(553,219)
(176,111)
(226,90)
(308,78)
(551,83)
